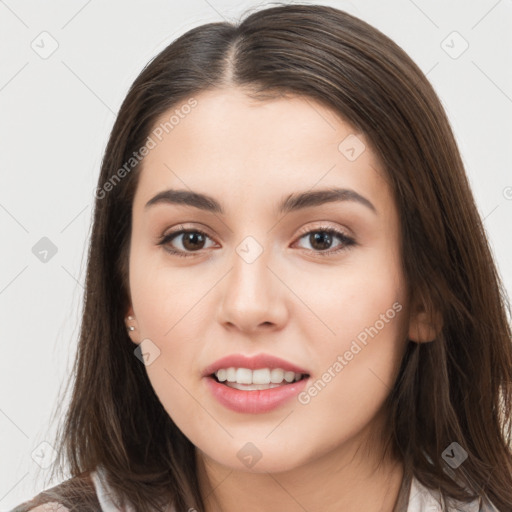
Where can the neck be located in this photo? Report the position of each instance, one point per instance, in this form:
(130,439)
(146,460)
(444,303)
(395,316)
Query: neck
(347,479)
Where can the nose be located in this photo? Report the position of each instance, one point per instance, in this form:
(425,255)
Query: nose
(253,298)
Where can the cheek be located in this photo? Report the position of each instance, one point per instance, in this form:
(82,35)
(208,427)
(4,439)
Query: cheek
(359,346)
(342,303)
(174,374)
(163,297)
(359,363)
(167,308)
(357,371)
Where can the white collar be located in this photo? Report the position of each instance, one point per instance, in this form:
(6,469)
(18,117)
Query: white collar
(421,499)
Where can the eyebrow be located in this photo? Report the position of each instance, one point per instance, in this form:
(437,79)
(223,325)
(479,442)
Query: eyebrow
(293,202)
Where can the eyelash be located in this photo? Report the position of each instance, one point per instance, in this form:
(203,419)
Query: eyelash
(347,242)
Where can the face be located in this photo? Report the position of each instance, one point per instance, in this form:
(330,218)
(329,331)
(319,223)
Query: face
(318,284)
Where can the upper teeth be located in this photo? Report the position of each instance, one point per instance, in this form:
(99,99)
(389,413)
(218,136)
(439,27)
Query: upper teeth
(259,376)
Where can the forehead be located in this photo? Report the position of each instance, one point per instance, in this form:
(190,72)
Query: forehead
(231,145)
(287,125)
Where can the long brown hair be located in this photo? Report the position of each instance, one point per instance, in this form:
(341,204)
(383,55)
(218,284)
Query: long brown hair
(454,389)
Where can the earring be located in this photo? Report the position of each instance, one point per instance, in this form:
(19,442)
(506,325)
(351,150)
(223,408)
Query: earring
(130,327)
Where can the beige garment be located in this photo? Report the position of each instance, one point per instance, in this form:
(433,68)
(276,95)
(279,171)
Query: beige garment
(413,497)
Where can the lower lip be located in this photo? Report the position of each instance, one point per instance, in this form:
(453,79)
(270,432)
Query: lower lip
(256,401)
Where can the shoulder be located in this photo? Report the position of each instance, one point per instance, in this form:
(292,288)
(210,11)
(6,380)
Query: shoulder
(422,499)
(50,507)
(77,493)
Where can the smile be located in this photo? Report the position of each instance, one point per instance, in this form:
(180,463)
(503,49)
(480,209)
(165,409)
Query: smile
(261,378)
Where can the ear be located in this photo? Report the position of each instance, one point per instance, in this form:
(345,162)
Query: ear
(131,325)
(425,324)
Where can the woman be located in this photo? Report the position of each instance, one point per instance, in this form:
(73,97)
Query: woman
(290,300)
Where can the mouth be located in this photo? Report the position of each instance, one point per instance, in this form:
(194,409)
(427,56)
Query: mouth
(257,391)
(245,379)
(254,384)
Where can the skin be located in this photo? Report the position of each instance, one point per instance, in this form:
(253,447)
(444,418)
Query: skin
(291,302)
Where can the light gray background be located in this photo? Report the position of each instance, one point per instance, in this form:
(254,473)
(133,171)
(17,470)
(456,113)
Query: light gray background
(57,112)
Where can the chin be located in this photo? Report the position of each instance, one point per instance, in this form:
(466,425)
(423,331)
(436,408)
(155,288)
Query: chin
(256,457)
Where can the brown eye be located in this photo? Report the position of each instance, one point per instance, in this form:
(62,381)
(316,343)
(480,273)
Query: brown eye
(321,239)
(192,240)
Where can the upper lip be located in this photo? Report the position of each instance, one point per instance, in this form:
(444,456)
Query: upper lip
(252,363)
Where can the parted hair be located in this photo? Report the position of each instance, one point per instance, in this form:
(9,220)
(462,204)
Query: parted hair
(456,388)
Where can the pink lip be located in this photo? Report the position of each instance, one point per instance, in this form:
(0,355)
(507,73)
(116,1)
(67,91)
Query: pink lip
(256,401)
(252,363)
